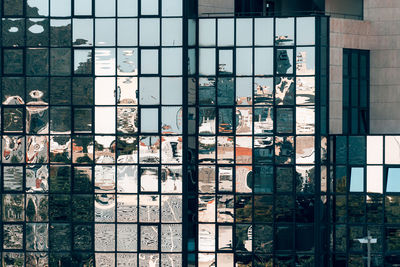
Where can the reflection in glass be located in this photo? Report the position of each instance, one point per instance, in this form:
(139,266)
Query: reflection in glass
(374,149)
(124,26)
(284,31)
(375,179)
(305,149)
(305,61)
(243,91)
(127,91)
(392,149)
(263,91)
(149,32)
(305,31)
(149,120)
(264,61)
(284,91)
(264,28)
(207,61)
(244,32)
(149,91)
(149,61)
(127,61)
(207,32)
(171,32)
(171,61)
(263,120)
(305,90)
(105,61)
(284,61)
(225,32)
(225,65)
(207,91)
(244,61)
(305,120)
(284,120)
(60,8)
(393,180)
(83,32)
(357,180)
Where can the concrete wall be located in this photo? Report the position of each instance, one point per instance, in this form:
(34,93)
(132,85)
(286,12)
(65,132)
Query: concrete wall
(379,33)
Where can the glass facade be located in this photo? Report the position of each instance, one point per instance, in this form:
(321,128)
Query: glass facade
(365,199)
(134,134)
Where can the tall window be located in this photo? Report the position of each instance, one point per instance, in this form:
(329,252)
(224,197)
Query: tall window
(355,91)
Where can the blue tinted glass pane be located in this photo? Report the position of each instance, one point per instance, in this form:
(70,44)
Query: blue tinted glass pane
(357,180)
(393,180)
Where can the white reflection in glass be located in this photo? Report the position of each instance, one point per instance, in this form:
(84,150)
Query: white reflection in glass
(206,237)
(264,31)
(225,32)
(393,180)
(375,179)
(127,8)
(104,91)
(305,61)
(105,120)
(149,32)
(207,61)
(105,8)
(244,61)
(149,149)
(127,61)
(207,32)
(171,61)
(171,148)
(284,31)
(244,32)
(127,179)
(305,149)
(305,120)
(127,91)
(149,120)
(149,61)
(171,7)
(172,32)
(392,149)
(305,90)
(305,32)
(105,61)
(244,120)
(126,26)
(357,180)
(374,149)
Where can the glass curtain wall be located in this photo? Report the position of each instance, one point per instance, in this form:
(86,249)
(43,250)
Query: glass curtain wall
(258,172)
(92,125)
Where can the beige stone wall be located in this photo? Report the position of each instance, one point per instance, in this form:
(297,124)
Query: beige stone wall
(379,33)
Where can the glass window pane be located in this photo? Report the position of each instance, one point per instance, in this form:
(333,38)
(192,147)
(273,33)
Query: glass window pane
(374,149)
(207,61)
(149,61)
(207,32)
(264,31)
(244,61)
(264,61)
(357,180)
(127,61)
(284,31)
(60,8)
(149,32)
(305,61)
(171,61)
(305,33)
(225,32)
(83,7)
(127,8)
(149,90)
(244,32)
(105,61)
(393,180)
(36,8)
(284,61)
(171,91)
(82,32)
(392,149)
(171,8)
(149,7)
(105,8)
(105,32)
(127,26)
(375,179)
(172,32)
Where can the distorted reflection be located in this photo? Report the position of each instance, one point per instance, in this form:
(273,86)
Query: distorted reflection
(375,179)
(263,91)
(284,61)
(284,31)
(207,95)
(284,91)
(392,149)
(305,90)
(305,61)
